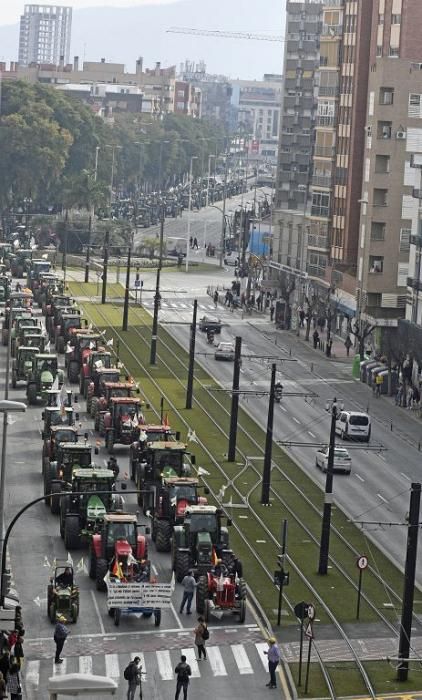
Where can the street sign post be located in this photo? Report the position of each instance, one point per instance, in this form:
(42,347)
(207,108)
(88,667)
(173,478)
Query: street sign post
(283,578)
(304,611)
(361,563)
(310,635)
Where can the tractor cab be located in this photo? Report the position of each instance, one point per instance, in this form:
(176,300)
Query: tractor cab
(22,364)
(122,421)
(111,390)
(160,460)
(174,497)
(20,262)
(57,416)
(43,374)
(37,268)
(63,594)
(5,286)
(33,340)
(79,347)
(67,323)
(96,359)
(149,433)
(57,434)
(100,374)
(118,540)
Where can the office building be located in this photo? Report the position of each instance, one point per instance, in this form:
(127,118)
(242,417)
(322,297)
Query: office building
(44,35)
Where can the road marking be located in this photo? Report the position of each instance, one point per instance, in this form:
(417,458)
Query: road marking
(311,434)
(296,420)
(173,609)
(358,476)
(216,661)
(382,498)
(241,658)
(405,476)
(261,647)
(164,665)
(32,675)
(283,409)
(191,660)
(112,665)
(97,610)
(85,664)
(60,669)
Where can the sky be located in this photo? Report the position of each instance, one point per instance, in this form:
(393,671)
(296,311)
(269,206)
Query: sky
(10,12)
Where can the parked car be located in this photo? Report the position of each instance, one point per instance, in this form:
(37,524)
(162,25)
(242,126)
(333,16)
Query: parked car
(225,351)
(210,323)
(342,460)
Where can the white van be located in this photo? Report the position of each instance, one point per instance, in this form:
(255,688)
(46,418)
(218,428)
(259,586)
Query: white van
(351,425)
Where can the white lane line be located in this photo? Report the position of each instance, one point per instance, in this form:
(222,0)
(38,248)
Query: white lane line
(283,409)
(32,676)
(405,476)
(191,660)
(174,611)
(112,665)
(97,610)
(59,669)
(85,664)
(242,662)
(261,647)
(296,420)
(165,667)
(382,498)
(358,476)
(311,434)
(216,661)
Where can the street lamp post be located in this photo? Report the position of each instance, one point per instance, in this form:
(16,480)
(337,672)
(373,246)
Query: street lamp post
(328,497)
(190,211)
(223,222)
(160,165)
(210,157)
(91,218)
(113,149)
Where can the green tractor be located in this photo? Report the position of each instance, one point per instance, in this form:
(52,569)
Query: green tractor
(10,318)
(160,460)
(44,373)
(22,364)
(62,593)
(82,515)
(5,288)
(200,541)
(20,262)
(24,324)
(58,475)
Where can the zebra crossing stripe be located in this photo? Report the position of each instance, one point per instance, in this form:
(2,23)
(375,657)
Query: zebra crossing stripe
(60,669)
(85,664)
(242,661)
(191,660)
(261,647)
(164,665)
(216,661)
(32,675)
(112,666)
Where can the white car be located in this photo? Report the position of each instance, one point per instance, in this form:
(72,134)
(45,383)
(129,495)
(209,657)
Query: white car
(342,460)
(225,351)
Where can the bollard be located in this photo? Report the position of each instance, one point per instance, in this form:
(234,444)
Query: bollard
(312,366)
(290,352)
(391,426)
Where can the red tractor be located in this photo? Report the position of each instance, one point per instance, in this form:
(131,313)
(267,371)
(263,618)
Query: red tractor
(110,390)
(118,540)
(81,344)
(173,497)
(94,389)
(122,422)
(149,433)
(67,322)
(221,589)
(97,358)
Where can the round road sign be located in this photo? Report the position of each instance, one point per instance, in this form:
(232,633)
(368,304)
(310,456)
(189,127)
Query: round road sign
(362,562)
(311,611)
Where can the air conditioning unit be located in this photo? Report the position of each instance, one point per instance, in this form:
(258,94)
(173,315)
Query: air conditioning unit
(400,135)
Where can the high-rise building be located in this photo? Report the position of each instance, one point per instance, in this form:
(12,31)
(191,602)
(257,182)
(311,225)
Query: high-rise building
(44,35)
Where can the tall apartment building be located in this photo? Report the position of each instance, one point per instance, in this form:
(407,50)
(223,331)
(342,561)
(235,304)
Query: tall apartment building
(44,35)
(390,213)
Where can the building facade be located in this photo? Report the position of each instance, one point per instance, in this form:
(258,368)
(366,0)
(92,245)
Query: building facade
(44,35)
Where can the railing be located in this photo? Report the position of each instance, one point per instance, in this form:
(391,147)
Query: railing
(320,211)
(324,151)
(325,121)
(414,284)
(332,29)
(315,241)
(327,90)
(315,271)
(321,180)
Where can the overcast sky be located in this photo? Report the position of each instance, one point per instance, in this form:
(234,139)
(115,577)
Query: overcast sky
(11,11)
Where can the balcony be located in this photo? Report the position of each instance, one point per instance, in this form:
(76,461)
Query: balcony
(332,30)
(315,241)
(327,90)
(321,180)
(316,271)
(320,211)
(414,284)
(325,121)
(324,151)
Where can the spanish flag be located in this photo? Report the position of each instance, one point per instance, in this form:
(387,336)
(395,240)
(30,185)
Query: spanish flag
(214,557)
(166,420)
(117,569)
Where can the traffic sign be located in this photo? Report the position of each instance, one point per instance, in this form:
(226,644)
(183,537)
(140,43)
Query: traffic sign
(301,610)
(309,632)
(311,611)
(362,562)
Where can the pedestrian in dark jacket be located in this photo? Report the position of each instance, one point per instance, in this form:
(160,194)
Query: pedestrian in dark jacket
(3,691)
(315,337)
(17,650)
(14,686)
(5,663)
(182,671)
(133,676)
(60,635)
(199,638)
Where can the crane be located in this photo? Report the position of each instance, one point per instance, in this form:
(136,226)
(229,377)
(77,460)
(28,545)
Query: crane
(225,35)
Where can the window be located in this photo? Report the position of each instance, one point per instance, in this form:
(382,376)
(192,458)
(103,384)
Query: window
(380,197)
(415,106)
(380,19)
(377,231)
(384,130)
(394,51)
(320,204)
(382,164)
(386,96)
(376,264)
(405,234)
(379,51)
(395,19)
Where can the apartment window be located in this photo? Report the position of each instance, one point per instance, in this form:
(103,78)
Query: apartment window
(380,197)
(394,52)
(386,96)
(415,106)
(379,51)
(382,164)
(320,204)
(384,130)
(377,231)
(380,19)
(405,234)
(395,19)
(376,264)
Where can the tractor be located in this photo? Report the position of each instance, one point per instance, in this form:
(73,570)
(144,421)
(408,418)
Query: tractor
(36,269)
(96,359)
(58,475)
(122,422)
(22,364)
(221,590)
(59,411)
(48,283)
(149,433)
(160,460)
(82,515)
(57,434)
(20,262)
(10,316)
(82,343)
(172,498)
(110,390)
(94,390)
(67,322)
(57,303)
(62,593)
(5,288)
(23,318)
(34,340)
(42,376)
(119,538)
(200,541)
(22,328)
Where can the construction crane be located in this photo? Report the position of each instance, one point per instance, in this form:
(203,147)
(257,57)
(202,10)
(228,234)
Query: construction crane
(225,35)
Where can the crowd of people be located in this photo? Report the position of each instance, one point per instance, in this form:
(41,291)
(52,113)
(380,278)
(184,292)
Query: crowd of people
(11,660)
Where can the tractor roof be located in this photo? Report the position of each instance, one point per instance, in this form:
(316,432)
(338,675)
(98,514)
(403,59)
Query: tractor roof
(69,315)
(95,473)
(181,480)
(69,428)
(119,385)
(128,400)
(52,409)
(27,348)
(75,446)
(47,356)
(173,445)
(120,518)
(201,509)
(108,370)
(151,428)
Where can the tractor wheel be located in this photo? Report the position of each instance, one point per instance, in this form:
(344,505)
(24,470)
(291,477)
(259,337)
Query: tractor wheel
(74,612)
(163,536)
(157,618)
(238,567)
(89,398)
(72,534)
(4,337)
(132,466)
(111,612)
(101,571)
(52,613)
(92,564)
(207,610)
(55,500)
(242,611)
(92,406)
(242,589)
(14,380)
(61,523)
(116,616)
(19,271)
(73,372)
(110,441)
(101,424)
(47,486)
(60,345)
(45,464)
(82,385)
(97,422)
(31,393)
(201,594)
(182,563)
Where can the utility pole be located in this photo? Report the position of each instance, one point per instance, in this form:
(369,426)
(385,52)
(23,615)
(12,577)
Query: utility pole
(328,498)
(105,267)
(409,582)
(266,475)
(231,454)
(126,302)
(189,390)
(90,221)
(223,221)
(157,297)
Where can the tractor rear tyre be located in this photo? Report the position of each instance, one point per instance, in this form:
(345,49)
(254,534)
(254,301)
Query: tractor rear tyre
(102,568)
(157,618)
(31,394)
(163,536)
(242,589)
(73,372)
(52,613)
(14,380)
(101,424)
(74,612)
(55,500)
(72,533)
(242,611)
(60,345)
(89,398)
(201,594)
(110,441)
(116,616)
(92,564)
(92,406)
(182,565)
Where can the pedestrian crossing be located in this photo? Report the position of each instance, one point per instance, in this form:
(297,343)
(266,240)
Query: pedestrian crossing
(223,661)
(180,305)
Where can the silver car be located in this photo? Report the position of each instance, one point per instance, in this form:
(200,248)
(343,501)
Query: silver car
(342,460)
(225,351)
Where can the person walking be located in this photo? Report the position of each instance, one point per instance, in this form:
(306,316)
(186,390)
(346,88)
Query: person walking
(315,336)
(274,656)
(378,384)
(182,671)
(201,635)
(189,585)
(195,243)
(215,297)
(3,690)
(348,344)
(133,675)
(272,310)
(60,635)
(17,650)
(13,684)
(5,663)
